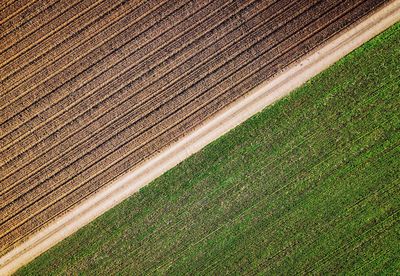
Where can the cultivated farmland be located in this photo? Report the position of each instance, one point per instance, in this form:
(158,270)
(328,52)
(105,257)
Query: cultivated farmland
(90,89)
(308,186)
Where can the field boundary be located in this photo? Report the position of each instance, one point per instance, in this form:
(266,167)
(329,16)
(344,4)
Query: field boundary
(226,119)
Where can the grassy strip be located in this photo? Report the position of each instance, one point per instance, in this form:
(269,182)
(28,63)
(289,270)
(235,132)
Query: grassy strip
(310,184)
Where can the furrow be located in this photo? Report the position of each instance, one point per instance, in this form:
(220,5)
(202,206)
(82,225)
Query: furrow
(130,60)
(95,49)
(228,98)
(10,49)
(76,46)
(183,99)
(190,121)
(173,87)
(17,34)
(25,17)
(73,29)
(93,64)
(4,5)
(174,59)
(13,9)
(156,88)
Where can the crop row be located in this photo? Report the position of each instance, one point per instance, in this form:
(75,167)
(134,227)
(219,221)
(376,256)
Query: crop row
(136,64)
(181,120)
(10,8)
(173,104)
(108,109)
(77,72)
(25,17)
(141,104)
(15,44)
(66,52)
(61,42)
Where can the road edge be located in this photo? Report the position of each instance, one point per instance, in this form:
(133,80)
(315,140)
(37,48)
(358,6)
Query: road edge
(223,121)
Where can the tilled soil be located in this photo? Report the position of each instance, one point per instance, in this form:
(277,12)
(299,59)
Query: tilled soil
(90,89)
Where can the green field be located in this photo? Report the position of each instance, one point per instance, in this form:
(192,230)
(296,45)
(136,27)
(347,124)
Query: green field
(309,185)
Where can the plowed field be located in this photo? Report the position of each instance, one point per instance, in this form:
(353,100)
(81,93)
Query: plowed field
(90,89)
